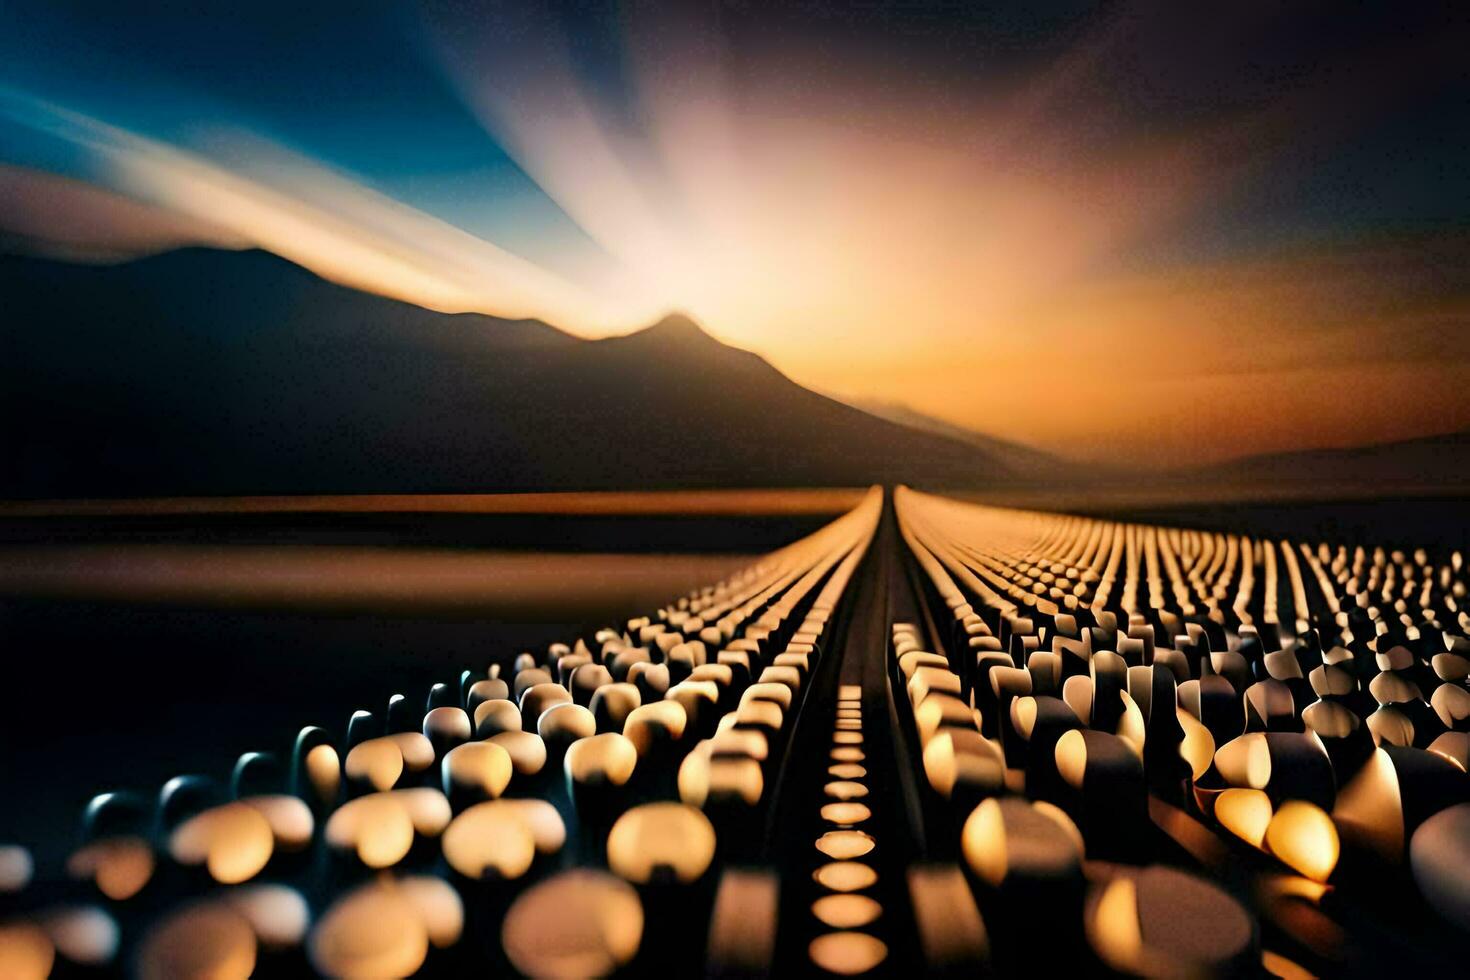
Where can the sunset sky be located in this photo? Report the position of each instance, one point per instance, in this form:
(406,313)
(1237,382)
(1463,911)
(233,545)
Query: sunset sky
(1126,231)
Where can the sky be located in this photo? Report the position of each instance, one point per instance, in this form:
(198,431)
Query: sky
(1144,233)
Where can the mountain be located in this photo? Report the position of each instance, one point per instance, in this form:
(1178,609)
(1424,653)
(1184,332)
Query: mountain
(1015,457)
(1438,463)
(210,372)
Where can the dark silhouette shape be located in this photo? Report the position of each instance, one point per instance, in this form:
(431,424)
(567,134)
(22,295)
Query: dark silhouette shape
(210,372)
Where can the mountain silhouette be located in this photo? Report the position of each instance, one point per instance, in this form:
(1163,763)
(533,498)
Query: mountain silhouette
(1439,463)
(1015,457)
(212,372)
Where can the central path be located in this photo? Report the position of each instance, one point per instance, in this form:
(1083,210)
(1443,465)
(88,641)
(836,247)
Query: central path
(847,820)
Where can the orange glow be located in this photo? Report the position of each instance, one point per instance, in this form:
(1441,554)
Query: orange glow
(1246,813)
(845,876)
(842,845)
(847,953)
(489,837)
(385,928)
(963,262)
(578,924)
(846,911)
(233,841)
(655,837)
(1303,837)
(1113,926)
(120,866)
(25,952)
(207,940)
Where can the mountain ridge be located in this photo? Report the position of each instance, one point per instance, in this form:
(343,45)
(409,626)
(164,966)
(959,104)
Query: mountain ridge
(1439,459)
(203,371)
(208,372)
(1017,456)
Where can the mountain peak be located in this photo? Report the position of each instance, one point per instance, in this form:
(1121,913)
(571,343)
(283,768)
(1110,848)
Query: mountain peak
(677,327)
(243,383)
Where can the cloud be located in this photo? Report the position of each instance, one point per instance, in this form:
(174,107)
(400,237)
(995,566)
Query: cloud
(321,219)
(64,218)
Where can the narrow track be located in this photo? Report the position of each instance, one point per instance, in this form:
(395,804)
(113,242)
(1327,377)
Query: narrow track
(856,665)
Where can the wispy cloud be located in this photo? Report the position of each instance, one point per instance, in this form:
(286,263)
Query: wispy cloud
(321,219)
